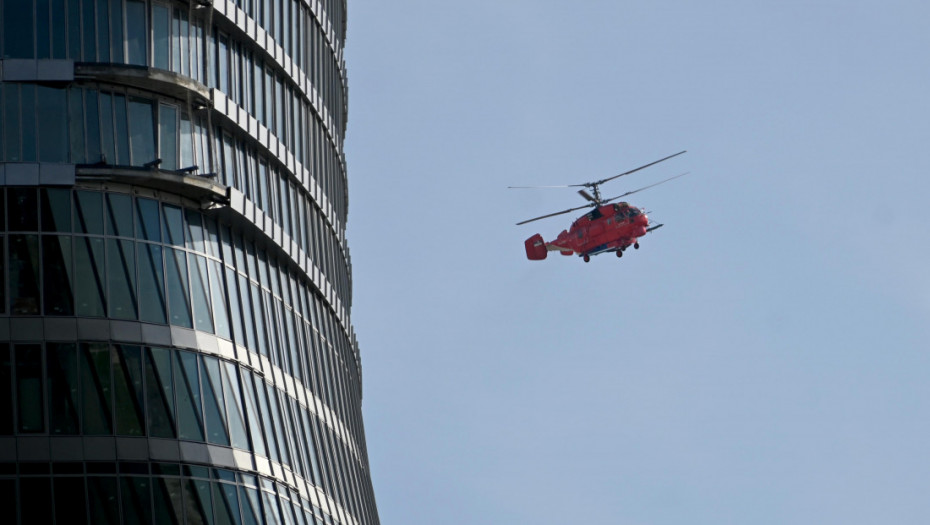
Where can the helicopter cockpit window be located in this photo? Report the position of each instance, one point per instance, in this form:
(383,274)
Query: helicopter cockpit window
(633,212)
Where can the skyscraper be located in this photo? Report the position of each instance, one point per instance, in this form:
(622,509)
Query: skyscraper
(175,334)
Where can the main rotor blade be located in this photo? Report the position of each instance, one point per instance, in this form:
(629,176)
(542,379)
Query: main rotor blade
(554,214)
(647,187)
(644,166)
(535,187)
(586,195)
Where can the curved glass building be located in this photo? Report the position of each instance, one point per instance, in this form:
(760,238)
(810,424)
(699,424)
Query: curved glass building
(175,284)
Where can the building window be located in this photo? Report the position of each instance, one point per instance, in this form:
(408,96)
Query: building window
(136,32)
(161,36)
(141,131)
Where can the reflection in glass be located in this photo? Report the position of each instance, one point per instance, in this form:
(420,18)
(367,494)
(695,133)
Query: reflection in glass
(226,504)
(52,128)
(267,417)
(103,500)
(90,47)
(218,293)
(89,291)
(116,28)
(246,312)
(190,407)
(136,32)
(279,418)
(56,210)
(18,24)
(141,131)
(197,506)
(194,230)
(76,123)
(213,402)
(103,34)
(6,391)
(57,275)
(251,506)
(235,310)
(272,513)
(160,29)
(148,226)
(222,64)
(74,37)
(169,506)
(12,142)
(89,212)
(119,214)
(108,140)
(168,136)
(63,388)
(187,143)
(237,431)
(151,283)
(174,225)
(252,409)
(287,510)
(199,291)
(24,274)
(28,131)
(212,238)
(226,244)
(292,342)
(228,173)
(258,311)
(96,388)
(159,393)
(122,129)
(269,272)
(311,446)
(29,396)
(121,278)
(93,127)
(127,387)
(178,288)
(136,499)
(252,271)
(23,208)
(276,336)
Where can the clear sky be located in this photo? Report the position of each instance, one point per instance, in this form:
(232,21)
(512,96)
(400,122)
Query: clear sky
(763,359)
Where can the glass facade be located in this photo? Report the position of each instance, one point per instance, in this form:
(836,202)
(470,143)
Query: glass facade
(175,283)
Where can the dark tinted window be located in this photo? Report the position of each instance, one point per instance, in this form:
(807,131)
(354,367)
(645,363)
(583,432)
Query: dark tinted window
(29,391)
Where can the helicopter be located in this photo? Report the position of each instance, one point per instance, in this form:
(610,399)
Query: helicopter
(608,227)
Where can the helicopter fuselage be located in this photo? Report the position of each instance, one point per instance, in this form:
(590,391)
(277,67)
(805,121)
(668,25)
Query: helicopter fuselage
(606,228)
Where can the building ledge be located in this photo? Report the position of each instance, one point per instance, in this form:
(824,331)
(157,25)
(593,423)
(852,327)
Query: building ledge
(149,79)
(196,187)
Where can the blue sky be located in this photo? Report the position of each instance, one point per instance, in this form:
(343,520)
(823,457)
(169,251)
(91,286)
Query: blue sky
(762,359)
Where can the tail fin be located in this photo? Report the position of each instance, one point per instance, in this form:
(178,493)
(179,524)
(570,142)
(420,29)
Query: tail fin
(536,248)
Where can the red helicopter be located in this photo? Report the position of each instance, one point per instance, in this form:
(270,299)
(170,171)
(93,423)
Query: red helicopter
(606,228)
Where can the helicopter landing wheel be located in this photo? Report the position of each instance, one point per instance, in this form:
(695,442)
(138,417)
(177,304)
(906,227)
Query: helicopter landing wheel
(636,246)
(619,253)
(587,258)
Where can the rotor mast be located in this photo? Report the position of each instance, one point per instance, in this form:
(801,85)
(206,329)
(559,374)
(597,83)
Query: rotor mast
(595,186)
